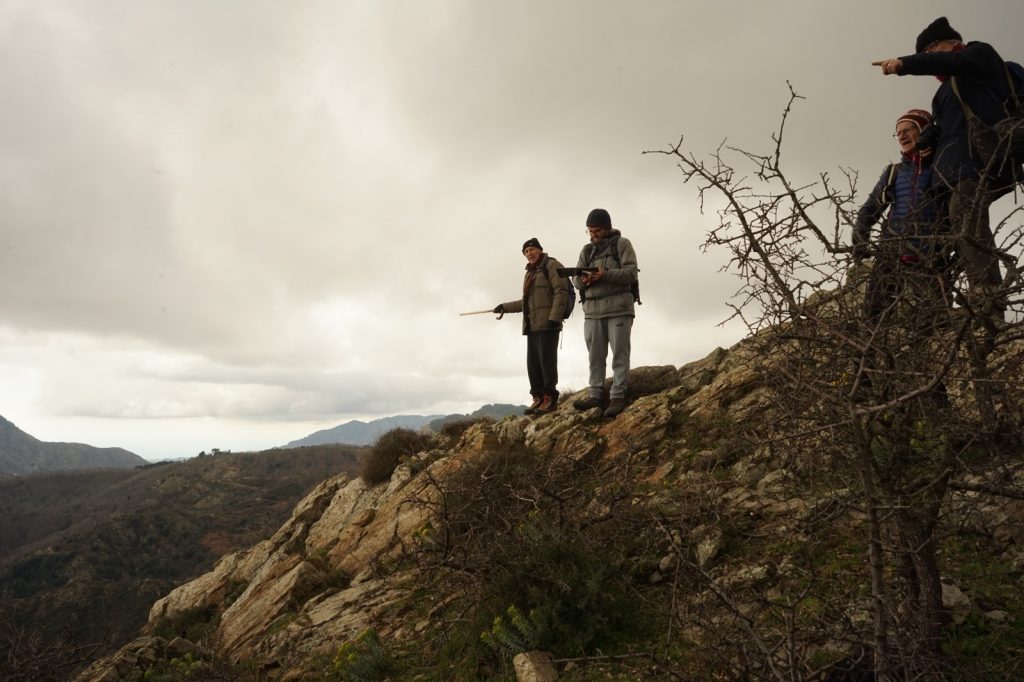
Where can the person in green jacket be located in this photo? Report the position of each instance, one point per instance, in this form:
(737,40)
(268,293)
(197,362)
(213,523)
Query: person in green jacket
(543,306)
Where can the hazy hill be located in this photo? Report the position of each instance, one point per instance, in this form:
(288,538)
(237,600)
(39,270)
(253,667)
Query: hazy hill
(84,554)
(362,433)
(495,411)
(365,433)
(21,454)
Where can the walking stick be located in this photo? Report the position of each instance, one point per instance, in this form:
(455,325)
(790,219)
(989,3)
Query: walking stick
(477,312)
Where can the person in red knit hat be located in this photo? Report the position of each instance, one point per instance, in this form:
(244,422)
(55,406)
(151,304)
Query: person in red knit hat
(909,243)
(980,76)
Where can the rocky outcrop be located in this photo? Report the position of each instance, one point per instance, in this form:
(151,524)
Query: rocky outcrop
(324,576)
(335,568)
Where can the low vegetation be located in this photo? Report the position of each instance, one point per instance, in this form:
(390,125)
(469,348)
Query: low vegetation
(540,555)
(389,451)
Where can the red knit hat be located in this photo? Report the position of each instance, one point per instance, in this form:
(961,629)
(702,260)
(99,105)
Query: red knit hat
(918,117)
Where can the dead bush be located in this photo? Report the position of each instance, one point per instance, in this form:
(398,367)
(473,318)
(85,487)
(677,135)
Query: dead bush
(455,428)
(388,452)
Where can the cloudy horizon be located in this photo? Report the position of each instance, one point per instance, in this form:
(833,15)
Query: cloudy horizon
(232,224)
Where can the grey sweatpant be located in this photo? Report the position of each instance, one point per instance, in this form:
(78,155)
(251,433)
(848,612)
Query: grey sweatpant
(599,334)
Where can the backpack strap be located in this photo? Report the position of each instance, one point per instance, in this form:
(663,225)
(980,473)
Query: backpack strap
(615,251)
(1011,94)
(956,91)
(969,116)
(886,197)
(1014,101)
(614,248)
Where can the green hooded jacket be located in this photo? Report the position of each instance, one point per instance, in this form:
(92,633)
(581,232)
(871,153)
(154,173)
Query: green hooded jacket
(611,296)
(545,301)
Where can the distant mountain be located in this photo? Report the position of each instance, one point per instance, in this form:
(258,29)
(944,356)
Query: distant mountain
(365,433)
(495,411)
(21,454)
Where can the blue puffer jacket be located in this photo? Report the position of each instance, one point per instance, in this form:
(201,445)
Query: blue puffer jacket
(979,72)
(903,188)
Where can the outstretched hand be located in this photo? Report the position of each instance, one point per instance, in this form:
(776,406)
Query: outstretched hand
(889,66)
(589,278)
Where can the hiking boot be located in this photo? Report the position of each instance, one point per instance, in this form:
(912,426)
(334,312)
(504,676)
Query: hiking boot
(615,407)
(547,405)
(590,403)
(550,407)
(537,400)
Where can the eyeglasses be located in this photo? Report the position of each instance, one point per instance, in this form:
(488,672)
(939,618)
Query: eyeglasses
(904,131)
(932,45)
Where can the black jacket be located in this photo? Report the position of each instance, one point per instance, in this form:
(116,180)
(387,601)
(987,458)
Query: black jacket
(979,72)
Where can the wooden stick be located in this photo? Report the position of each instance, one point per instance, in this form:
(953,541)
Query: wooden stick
(476,312)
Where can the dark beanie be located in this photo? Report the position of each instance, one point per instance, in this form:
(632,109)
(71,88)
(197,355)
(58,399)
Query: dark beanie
(599,218)
(937,30)
(532,241)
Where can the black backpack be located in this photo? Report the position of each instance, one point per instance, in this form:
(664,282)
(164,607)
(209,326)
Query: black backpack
(634,287)
(1001,145)
(570,295)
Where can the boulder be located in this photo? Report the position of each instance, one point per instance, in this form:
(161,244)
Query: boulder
(534,666)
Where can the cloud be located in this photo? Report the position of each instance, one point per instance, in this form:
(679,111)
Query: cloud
(259,212)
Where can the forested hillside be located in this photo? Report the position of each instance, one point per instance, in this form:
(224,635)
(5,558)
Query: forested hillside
(84,554)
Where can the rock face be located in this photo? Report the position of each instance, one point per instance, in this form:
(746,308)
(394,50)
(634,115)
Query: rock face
(321,579)
(334,570)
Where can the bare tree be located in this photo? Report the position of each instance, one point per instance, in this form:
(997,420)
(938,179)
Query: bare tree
(899,396)
(28,655)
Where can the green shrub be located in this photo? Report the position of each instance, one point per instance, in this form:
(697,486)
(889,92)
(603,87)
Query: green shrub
(539,571)
(194,624)
(363,659)
(388,452)
(513,636)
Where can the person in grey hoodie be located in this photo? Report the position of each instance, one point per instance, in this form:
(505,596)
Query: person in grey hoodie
(608,302)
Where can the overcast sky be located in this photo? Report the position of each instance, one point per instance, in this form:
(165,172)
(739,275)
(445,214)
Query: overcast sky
(232,223)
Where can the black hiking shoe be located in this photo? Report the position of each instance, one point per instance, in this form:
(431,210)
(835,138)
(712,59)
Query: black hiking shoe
(615,407)
(590,403)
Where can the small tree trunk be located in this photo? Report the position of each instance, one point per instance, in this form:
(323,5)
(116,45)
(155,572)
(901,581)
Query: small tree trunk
(876,561)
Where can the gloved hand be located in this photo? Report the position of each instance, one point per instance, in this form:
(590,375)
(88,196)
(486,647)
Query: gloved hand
(553,324)
(860,252)
(499,309)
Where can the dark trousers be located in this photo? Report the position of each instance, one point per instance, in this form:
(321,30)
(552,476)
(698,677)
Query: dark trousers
(968,213)
(542,362)
(927,285)
(976,245)
(916,296)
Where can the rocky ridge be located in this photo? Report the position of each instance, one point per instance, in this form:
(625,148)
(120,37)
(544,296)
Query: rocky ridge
(336,568)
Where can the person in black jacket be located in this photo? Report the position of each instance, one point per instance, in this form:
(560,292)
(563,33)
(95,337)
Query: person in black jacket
(978,72)
(908,246)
